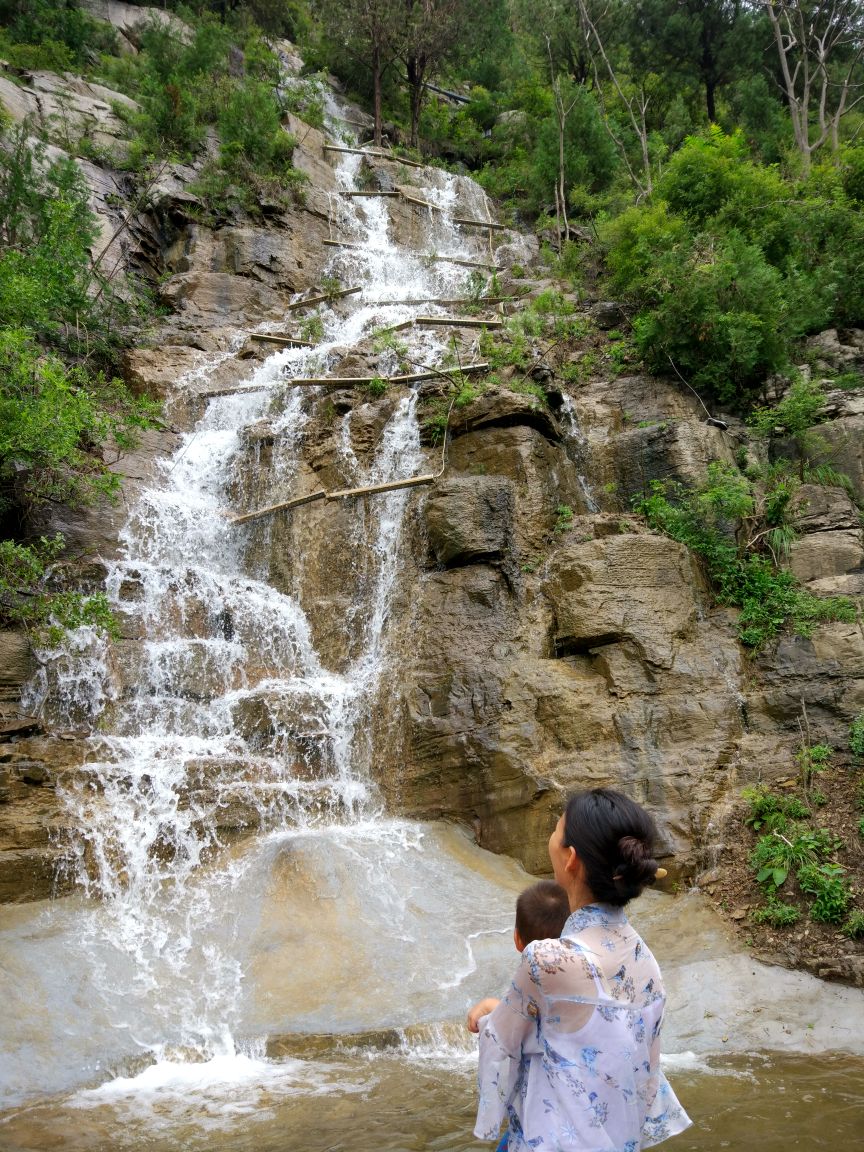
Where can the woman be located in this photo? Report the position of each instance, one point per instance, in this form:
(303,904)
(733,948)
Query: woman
(571,1056)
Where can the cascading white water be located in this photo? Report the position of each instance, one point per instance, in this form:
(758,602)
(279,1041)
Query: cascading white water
(579,444)
(216,698)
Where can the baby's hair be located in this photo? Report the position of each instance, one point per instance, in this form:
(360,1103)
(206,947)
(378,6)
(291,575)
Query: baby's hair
(541,912)
(614,838)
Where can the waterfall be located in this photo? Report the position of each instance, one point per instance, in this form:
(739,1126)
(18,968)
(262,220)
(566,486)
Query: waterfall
(215,712)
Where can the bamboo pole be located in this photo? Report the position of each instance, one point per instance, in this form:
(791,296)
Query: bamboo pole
(291,341)
(407,378)
(420,255)
(325,296)
(390,486)
(443,303)
(456,322)
(376,155)
(420,203)
(354,195)
(480,224)
(340,494)
(295,503)
(211,393)
(397,327)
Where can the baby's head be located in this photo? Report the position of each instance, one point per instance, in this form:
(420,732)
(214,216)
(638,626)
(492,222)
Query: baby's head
(541,912)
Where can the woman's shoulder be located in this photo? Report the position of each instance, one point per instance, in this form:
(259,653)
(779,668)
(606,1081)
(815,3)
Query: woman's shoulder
(548,959)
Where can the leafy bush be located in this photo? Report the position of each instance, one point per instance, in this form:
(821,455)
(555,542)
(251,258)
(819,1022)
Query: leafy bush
(28,601)
(770,599)
(730,264)
(854,926)
(51,417)
(778,854)
(832,895)
(51,34)
(856,736)
(771,811)
(776,913)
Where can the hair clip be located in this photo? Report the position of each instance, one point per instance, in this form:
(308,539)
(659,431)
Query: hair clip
(660,873)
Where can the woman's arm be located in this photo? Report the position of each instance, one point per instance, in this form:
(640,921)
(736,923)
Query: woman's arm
(512,1021)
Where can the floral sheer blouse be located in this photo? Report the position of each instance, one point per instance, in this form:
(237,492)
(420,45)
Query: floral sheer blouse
(571,1056)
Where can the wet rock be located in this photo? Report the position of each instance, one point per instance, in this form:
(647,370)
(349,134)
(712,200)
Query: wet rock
(503,408)
(637,587)
(543,475)
(470,520)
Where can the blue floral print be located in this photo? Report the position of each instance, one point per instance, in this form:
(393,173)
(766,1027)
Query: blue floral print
(571,1056)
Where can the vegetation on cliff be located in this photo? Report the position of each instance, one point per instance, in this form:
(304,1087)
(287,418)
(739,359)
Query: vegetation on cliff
(665,151)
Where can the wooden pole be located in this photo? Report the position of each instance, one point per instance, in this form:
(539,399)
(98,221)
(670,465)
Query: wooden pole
(420,255)
(375,154)
(480,224)
(390,486)
(408,378)
(456,322)
(396,327)
(212,393)
(443,303)
(354,195)
(295,503)
(291,341)
(325,296)
(419,203)
(340,494)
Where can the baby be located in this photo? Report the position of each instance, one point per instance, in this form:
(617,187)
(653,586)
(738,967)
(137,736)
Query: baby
(541,913)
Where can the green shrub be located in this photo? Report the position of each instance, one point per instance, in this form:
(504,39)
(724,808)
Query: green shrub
(721,321)
(776,913)
(832,897)
(51,417)
(778,854)
(28,601)
(51,34)
(856,736)
(770,599)
(771,811)
(854,925)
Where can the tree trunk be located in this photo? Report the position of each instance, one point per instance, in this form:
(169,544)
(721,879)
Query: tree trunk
(415,68)
(710,100)
(376,77)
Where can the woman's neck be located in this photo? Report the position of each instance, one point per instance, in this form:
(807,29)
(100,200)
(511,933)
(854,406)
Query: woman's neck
(580,895)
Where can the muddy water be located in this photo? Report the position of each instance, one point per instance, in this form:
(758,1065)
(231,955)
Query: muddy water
(407,1101)
(358,1047)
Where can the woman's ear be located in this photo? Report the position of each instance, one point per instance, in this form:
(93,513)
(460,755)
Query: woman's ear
(573,864)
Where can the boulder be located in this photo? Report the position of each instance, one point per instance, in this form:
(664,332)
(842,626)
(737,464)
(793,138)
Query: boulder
(470,519)
(635,587)
(824,555)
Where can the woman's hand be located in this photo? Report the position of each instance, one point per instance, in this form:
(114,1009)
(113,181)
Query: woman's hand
(481,1008)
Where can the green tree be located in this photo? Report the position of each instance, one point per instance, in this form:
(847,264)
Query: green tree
(705,42)
(373,31)
(433,32)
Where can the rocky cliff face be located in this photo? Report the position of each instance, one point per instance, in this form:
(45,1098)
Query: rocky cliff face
(530,653)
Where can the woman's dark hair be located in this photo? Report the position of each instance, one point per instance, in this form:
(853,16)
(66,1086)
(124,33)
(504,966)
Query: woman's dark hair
(614,838)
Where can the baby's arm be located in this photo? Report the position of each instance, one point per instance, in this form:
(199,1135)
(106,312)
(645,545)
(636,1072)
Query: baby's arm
(480,1009)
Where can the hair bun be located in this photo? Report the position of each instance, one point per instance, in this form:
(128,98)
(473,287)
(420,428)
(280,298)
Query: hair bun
(636,866)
